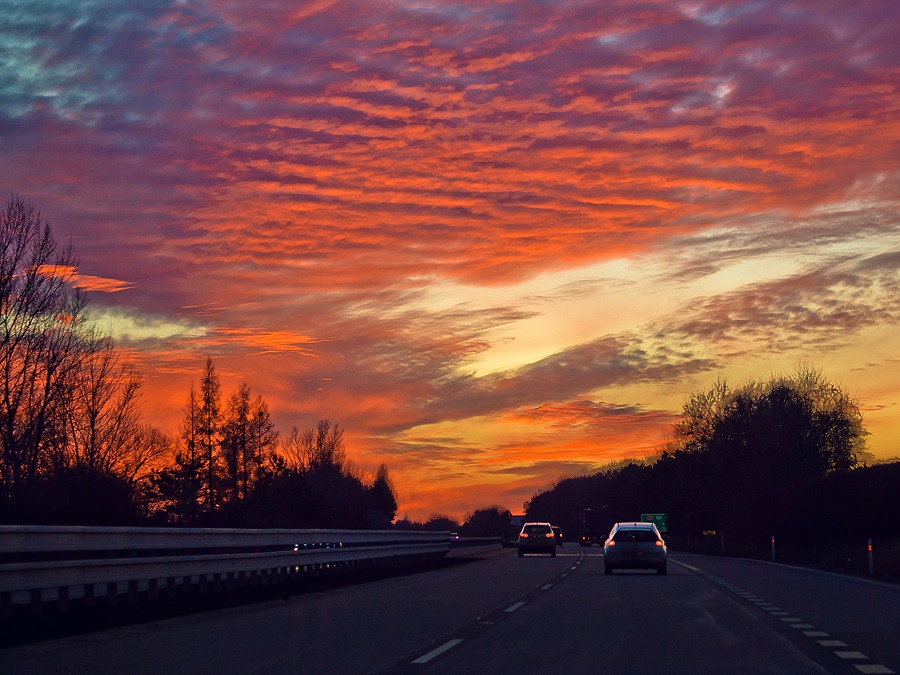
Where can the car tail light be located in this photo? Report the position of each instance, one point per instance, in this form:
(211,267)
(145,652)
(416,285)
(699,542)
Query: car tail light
(524,534)
(611,542)
(549,535)
(659,543)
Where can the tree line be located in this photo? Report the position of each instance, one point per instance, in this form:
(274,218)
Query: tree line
(783,457)
(73,446)
(489,521)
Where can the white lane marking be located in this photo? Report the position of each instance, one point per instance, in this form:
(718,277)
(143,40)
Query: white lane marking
(563,575)
(794,622)
(546,586)
(513,607)
(850,655)
(450,644)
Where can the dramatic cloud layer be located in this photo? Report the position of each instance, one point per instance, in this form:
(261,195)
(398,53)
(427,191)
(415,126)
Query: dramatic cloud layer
(498,242)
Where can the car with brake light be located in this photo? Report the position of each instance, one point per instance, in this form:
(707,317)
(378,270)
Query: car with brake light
(557,530)
(537,538)
(635,546)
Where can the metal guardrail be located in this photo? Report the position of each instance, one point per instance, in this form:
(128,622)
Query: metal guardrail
(41,564)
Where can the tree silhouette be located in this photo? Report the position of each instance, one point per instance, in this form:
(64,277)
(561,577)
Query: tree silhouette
(492,521)
(749,462)
(208,430)
(382,496)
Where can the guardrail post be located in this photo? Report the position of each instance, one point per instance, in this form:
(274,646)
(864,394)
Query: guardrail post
(170,588)
(37,601)
(88,595)
(62,601)
(112,593)
(871,558)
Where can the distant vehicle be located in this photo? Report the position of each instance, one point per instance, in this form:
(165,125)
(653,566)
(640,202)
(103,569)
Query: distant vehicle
(634,546)
(595,523)
(537,538)
(557,530)
(511,535)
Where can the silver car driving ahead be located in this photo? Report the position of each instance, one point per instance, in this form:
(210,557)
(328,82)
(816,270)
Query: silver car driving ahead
(537,538)
(634,546)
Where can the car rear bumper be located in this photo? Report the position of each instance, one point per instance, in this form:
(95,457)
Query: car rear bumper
(635,562)
(543,548)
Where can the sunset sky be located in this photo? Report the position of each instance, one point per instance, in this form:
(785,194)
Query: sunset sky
(499,243)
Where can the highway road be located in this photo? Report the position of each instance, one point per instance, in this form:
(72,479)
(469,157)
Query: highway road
(503,614)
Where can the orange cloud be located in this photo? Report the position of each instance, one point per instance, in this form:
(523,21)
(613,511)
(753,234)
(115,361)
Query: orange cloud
(353,206)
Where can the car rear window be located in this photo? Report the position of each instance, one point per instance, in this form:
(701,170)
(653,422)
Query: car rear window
(635,536)
(537,529)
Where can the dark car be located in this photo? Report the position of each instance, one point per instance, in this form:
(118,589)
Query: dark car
(634,546)
(537,538)
(557,530)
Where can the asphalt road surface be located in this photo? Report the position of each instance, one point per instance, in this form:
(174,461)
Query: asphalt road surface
(504,614)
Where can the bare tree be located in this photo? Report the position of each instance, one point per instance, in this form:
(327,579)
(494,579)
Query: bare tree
(292,450)
(43,341)
(102,413)
(319,448)
(147,449)
(701,415)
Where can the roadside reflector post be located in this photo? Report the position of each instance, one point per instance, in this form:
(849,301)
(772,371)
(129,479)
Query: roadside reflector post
(773,548)
(871,558)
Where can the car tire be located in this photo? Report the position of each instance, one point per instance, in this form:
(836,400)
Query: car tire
(661,570)
(553,553)
(607,569)
(521,553)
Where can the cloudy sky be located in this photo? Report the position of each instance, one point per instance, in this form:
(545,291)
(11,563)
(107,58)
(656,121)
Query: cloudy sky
(499,242)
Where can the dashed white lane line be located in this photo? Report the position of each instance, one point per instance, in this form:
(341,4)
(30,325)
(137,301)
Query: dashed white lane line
(798,623)
(434,653)
(450,644)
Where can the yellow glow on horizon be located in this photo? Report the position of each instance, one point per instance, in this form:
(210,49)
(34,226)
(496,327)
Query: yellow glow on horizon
(129,328)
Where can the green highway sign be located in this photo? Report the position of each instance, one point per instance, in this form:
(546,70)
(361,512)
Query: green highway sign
(661,520)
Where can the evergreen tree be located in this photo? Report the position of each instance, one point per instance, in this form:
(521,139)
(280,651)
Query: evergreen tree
(209,428)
